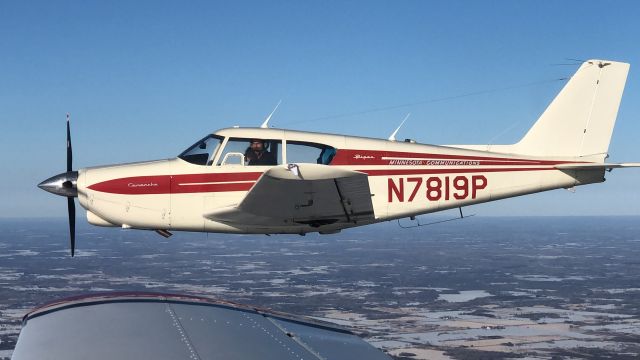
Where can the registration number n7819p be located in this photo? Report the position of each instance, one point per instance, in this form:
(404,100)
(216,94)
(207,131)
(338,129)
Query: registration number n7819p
(435,188)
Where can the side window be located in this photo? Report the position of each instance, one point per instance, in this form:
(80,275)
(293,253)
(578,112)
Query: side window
(306,152)
(251,152)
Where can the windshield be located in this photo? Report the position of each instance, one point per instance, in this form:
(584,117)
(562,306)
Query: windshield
(202,152)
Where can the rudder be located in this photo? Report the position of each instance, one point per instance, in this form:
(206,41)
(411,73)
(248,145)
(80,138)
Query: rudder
(579,121)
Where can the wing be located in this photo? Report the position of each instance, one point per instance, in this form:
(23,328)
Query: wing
(309,194)
(165,326)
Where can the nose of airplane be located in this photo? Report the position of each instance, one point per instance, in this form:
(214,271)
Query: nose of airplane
(64,184)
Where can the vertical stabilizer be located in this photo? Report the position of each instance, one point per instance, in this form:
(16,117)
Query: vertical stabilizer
(579,122)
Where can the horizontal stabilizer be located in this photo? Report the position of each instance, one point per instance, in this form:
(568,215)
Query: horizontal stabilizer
(582,166)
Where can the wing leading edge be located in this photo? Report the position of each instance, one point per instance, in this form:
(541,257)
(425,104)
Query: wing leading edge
(302,194)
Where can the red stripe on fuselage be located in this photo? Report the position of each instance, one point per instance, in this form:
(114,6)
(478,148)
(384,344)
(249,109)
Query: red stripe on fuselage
(375,157)
(242,181)
(136,185)
(206,188)
(395,172)
(216,177)
(178,184)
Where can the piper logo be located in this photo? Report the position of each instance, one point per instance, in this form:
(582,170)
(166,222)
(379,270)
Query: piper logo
(363,157)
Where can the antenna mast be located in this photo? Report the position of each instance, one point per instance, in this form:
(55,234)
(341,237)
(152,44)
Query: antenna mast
(392,137)
(265,124)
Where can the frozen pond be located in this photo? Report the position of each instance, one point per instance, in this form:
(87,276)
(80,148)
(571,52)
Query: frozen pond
(464,296)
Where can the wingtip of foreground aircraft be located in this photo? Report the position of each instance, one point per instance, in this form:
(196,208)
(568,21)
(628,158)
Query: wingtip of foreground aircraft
(277,181)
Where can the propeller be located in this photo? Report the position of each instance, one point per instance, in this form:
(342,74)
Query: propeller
(71,204)
(65,184)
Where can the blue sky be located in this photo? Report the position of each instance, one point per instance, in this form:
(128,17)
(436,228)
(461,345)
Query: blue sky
(143,80)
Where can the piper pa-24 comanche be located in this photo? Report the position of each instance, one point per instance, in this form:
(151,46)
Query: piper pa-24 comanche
(275,181)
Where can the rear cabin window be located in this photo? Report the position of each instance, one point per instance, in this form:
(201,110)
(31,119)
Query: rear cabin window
(251,152)
(307,152)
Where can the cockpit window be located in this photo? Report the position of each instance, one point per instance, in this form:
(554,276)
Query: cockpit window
(257,151)
(202,152)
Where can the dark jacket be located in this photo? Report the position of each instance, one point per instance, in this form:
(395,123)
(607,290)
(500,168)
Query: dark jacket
(261,158)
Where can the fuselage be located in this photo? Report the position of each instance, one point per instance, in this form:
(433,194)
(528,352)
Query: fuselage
(405,179)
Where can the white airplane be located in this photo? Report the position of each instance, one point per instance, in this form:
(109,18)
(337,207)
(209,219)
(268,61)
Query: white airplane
(276,181)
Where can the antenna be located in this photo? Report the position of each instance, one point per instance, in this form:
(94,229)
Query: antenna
(393,135)
(265,124)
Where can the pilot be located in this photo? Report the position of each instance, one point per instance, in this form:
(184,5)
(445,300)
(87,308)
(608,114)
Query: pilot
(257,154)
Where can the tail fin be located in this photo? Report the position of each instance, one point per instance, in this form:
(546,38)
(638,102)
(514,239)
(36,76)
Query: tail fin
(579,122)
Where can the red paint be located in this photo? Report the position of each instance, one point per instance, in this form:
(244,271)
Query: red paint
(434,188)
(226,182)
(394,172)
(375,157)
(211,188)
(394,190)
(478,182)
(244,181)
(138,185)
(437,188)
(216,177)
(417,181)
(461,183)
(178,184)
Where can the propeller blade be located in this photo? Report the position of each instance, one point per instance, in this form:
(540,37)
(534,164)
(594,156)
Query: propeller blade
(69,150)
(71,207)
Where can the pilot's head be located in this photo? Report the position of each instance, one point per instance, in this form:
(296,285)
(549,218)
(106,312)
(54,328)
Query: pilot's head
(257,145)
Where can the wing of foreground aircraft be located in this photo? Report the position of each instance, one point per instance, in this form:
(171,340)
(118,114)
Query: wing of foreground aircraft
(163,326)
(302,194)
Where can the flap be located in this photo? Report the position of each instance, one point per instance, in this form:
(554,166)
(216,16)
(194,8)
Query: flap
(302,194)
